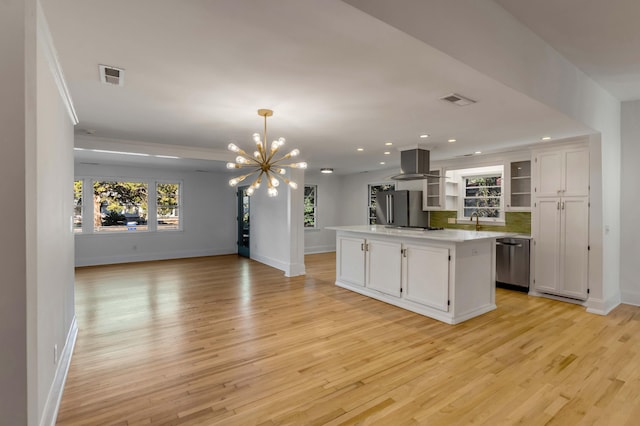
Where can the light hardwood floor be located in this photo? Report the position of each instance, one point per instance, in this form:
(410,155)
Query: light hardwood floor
(225,340)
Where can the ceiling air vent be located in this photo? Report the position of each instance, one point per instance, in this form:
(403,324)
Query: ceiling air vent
(459,100)
(111,75)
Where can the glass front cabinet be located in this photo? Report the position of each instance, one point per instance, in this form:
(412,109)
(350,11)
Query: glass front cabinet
(519,181)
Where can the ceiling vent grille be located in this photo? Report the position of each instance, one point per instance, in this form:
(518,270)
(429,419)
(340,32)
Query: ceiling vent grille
(458,100)
(111,75)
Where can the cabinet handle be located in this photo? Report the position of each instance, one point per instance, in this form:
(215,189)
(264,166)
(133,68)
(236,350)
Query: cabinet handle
(558,205)
(563,205)
(361,246)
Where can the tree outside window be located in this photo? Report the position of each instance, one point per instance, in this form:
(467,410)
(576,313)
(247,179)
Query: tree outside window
(168,206)
(77,206)
(310,206)
(482,195)
(374,189)
(120,206)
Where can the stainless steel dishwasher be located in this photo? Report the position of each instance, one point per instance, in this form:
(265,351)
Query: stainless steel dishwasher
(512,263)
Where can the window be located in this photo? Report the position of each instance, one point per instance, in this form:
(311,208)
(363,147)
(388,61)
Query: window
(168,206)
(120,206)
(310,206)
(373,191)
(482,195)
(477,190)
(77,206)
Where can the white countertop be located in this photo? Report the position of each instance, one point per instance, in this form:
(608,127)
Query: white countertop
(452,235)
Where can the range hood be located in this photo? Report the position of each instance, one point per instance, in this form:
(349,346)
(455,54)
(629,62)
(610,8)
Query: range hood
(414,165)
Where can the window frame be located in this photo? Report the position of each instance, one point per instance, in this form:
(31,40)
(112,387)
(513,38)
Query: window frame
(180,206)
(81,205)
(371,220)
(479,172)
(315,207)
(88,227)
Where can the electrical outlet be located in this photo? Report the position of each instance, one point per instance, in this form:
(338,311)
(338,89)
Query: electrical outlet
(451,220)
(55,353)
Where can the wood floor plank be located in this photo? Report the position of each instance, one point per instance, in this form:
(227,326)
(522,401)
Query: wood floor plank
(229,341)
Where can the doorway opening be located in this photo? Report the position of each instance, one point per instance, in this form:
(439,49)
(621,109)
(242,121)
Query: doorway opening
(243,221)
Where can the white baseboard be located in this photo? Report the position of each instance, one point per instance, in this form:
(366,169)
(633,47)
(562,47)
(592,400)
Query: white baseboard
(631,297)
(145,257)
(601,306)
(289,269)
(52,404)
(319,249)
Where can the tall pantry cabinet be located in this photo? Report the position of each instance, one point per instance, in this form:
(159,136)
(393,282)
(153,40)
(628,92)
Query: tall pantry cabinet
(561,222)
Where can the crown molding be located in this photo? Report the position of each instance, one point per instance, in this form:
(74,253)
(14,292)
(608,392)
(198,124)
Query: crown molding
(46,41)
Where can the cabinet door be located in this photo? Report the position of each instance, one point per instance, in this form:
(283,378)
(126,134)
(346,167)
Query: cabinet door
(519,186)
(426,276)
(432,192)
(549,176)
(547,245)
(576,173)
(350,260)
(574,260)
(384,261)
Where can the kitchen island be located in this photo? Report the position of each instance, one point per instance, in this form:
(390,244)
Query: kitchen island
(448,274)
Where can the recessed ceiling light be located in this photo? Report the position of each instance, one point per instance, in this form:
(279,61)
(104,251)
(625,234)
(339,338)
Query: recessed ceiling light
(478,152)
(387,153)
(451,140)
(382,162)
(360,149)
(326,170)
(546,138)
(424,136)
(388,143)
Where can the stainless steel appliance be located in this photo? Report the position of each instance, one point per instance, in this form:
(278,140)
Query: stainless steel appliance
(512,263)
(401,209)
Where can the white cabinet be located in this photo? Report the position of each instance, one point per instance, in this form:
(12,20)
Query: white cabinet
(563,173)
(350,252)
(433,194)
(393,268)
(519,186)
(383,266)
(561,223)
(448,276)
(426,275)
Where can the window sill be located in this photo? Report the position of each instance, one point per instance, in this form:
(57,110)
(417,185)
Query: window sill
(467,221)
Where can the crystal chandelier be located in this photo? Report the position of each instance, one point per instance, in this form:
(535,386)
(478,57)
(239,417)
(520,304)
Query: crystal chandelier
(263,163)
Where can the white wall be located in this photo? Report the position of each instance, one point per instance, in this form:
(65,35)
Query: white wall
(13,139)
(328,213)
(277,237)
(498,45)
(630,207)
(36,302)
(208,214)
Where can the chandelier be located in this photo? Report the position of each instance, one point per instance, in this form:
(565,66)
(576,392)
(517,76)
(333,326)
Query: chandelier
(263,163)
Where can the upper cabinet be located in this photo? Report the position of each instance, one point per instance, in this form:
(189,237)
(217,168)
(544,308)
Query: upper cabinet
(441,192)
(433,198)
(519,181)
(563,173)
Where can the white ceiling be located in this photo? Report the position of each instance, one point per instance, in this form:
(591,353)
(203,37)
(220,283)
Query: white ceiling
(337,79)
(602,38)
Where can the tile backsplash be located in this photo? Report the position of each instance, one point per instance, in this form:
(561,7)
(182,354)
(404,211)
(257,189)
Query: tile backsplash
(519,222)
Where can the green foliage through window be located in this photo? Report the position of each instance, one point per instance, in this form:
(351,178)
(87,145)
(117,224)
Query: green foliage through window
(120,206)
(310,206)
(373,193)
(483,195)
(168,205)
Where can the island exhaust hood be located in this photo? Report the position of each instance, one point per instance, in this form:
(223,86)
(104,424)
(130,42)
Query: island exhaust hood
(414,165)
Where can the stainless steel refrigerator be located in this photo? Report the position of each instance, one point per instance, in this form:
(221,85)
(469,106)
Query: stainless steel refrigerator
(401,209)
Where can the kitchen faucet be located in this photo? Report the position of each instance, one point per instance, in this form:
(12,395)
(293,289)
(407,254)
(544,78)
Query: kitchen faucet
(477,219)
